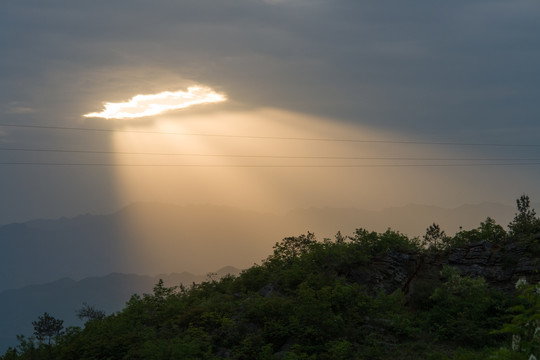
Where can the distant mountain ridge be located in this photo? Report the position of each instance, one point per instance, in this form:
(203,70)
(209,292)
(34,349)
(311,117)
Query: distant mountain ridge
(164,238)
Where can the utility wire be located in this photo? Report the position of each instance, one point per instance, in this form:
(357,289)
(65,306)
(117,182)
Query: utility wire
(271,137)
(103,152)
(267,166)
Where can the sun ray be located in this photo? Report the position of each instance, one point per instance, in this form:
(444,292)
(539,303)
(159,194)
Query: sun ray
(230,181)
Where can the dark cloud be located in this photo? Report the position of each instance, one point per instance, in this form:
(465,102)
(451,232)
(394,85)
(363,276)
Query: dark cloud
(390,64)
(442,70)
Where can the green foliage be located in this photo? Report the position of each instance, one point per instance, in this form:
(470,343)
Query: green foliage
(507,354)
(472,354)
(435,238)
(90,313)
(465,310)
(525,223)
(292,247)
(488,231)
(524,326)
(303,302)
(373,243)
(47,328)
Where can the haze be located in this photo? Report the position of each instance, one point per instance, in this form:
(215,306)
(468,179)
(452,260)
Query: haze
(338,104)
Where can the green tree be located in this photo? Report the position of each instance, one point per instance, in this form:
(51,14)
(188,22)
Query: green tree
(491,231)
(525,324)
(27,346)
(373,243)
(90,313)
(488,230)
(435,238)
(47,328)
(294,246)
(525,222)
(465,310)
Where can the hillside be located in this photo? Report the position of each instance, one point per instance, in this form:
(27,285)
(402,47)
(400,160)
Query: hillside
(367,296)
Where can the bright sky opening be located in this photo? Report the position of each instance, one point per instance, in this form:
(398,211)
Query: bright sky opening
(154,104)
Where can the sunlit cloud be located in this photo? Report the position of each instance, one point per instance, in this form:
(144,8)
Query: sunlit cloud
(154,104)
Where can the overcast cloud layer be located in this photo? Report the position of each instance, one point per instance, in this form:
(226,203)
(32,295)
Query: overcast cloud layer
(458,71)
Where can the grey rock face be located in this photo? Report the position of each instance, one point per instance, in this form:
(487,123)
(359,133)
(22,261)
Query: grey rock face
(500,266)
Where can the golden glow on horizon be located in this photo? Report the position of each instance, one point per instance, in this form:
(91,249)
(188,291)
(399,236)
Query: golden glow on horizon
(154,104)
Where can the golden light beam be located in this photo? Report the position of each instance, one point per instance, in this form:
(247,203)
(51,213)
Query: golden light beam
(214,241)
(154,104)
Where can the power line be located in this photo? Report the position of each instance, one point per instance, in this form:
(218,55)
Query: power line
(449,143)
(103,152)
(266,166)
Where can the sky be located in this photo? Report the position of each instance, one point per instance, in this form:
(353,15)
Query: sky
(322,103)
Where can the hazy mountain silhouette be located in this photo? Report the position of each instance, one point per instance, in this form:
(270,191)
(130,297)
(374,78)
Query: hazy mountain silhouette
(61,298)
(161,238)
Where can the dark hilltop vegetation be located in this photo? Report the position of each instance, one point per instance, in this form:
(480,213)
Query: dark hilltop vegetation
(473,295)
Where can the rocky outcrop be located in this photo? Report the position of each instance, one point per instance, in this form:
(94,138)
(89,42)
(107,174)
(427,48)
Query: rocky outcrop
(388,273)
(500,266)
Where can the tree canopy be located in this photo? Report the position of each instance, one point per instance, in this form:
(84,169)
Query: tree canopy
(46,328)
(305,302)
